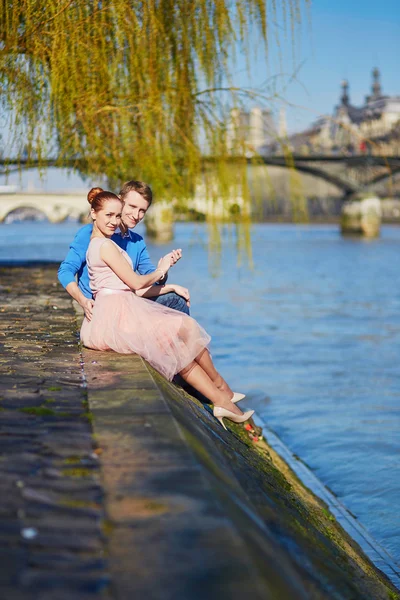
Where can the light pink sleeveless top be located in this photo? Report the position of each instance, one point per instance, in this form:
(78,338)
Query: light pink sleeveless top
(101,275)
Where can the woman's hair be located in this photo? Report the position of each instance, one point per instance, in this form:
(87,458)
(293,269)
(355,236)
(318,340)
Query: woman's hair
(97,196)
(137,186)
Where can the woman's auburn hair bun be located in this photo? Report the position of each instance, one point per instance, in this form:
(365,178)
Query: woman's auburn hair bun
(93,193)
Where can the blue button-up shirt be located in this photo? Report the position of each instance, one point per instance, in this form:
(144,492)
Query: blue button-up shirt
(74,264)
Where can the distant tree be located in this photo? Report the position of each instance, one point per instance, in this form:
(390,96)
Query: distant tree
(127,87)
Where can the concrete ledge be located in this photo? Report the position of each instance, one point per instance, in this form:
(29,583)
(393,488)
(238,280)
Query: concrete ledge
(199,513)
(176,507)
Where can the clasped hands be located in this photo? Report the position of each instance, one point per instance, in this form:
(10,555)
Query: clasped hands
(174,256)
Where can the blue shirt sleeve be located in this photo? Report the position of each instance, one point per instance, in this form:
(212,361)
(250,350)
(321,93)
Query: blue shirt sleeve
(75,261)
(137,251)
(144,264)
(136,248)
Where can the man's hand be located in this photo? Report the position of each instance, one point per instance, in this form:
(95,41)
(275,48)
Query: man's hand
(181,291)
(86,303)
(87,306)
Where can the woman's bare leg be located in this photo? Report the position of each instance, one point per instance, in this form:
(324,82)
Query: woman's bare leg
(196,376)
(205,361)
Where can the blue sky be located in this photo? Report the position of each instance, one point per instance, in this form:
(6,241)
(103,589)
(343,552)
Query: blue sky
(340,40)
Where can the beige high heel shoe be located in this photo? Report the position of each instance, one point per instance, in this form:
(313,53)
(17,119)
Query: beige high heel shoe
(220,412)
(237,397)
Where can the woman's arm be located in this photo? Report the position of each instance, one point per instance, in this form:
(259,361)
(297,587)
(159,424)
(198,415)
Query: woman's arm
(154,291)
(159,290)
(112,257)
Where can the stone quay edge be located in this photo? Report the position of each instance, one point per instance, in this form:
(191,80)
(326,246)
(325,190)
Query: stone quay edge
(116,484)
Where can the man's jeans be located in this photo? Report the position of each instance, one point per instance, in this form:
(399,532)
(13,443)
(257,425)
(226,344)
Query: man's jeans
(174,301)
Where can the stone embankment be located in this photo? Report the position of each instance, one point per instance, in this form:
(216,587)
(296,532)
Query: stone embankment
(116,484)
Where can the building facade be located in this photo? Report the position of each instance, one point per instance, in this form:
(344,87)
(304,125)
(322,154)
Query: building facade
(371,128)
(251,129)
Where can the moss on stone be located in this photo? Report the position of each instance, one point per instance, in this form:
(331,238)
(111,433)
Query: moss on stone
(253,475)
(73,460)
(78,472)
(88,416)
(75,503)
(39,411)
(107,527)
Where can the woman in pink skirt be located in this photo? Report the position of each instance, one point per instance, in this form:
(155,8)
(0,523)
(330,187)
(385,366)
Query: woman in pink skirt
(170,341)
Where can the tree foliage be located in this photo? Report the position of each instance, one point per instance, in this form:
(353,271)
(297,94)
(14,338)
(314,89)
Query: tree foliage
(127,88)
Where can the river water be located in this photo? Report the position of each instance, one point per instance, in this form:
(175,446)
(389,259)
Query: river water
(311,334)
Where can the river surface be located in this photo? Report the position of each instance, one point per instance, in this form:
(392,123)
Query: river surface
(311,335)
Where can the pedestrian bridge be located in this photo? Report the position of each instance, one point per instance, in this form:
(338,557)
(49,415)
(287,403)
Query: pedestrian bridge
(352,174)
(54,207)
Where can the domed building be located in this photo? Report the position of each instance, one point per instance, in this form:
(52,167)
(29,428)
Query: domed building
(373,127)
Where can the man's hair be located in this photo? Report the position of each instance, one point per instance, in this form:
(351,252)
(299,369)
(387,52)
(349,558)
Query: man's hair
(137,186)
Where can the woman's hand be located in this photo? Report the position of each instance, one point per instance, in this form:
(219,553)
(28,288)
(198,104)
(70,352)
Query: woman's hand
(181,291)
(164,263)
(175,255)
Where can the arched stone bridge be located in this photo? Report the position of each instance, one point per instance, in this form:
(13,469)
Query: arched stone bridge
(55,207)
(352,174)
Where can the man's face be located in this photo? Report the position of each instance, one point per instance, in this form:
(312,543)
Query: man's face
(134,209)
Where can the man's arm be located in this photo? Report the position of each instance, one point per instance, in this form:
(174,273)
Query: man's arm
(73,265)
(144,264)
(76,257)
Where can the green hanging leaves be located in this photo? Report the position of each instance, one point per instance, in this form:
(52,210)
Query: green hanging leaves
(117,86)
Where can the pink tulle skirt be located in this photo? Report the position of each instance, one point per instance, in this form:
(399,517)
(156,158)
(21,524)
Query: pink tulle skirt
(169,340)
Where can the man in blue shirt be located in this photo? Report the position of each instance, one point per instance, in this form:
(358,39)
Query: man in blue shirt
(137,197)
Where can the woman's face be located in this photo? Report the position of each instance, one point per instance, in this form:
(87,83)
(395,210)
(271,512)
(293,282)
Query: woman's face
(108,218)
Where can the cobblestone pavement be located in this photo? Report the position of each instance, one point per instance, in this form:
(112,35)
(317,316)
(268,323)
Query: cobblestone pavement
(52,526)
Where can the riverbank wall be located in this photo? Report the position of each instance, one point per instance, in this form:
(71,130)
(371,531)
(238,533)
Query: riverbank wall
(118,484)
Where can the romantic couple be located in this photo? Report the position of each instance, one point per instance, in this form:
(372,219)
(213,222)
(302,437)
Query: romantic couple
(129,307)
